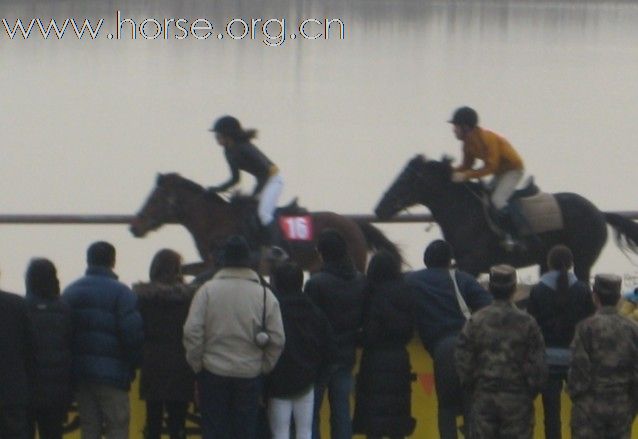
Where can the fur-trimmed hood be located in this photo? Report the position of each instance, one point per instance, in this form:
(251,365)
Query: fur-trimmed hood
(160,291)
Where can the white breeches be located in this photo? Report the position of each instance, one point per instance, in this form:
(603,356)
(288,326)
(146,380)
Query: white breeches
(503,186)
(268,199)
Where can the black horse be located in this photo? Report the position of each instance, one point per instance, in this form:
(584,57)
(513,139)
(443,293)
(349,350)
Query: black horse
(458,210)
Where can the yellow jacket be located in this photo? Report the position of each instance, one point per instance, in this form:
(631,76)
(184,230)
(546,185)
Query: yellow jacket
(495,151)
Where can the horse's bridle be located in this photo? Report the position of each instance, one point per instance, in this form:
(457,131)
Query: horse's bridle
(395,199)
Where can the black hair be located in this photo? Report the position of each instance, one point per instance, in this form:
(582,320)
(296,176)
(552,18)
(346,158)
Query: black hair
(383,267)
(332,246)
(438,254)
(561,259)
(101,254)
(288,278)
(41,278)
(236,252)
(166,267)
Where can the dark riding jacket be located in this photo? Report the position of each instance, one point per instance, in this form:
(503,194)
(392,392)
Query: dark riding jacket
(247,157)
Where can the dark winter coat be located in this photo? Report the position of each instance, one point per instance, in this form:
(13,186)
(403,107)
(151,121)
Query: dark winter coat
(51,319)
(338,291)
(16,351)
(383,388)
(107,329)
(558,318)
(165,374)
(310,347)
(437,311)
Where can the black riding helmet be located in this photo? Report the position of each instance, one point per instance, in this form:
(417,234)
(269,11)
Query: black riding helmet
(227,126)
(465,116)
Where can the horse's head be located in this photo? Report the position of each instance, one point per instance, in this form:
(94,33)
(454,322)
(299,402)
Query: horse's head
(419,181)
(164,204)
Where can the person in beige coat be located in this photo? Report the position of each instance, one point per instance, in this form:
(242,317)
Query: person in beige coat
(233,335)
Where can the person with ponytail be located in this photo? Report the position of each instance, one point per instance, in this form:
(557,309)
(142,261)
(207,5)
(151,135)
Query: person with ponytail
(242,155)
(558,302)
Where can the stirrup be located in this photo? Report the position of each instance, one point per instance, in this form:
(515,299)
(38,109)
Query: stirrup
(511,245)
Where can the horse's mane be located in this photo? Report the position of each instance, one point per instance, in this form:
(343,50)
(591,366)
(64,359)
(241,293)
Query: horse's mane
(239,199)
(177,181)
(420,163)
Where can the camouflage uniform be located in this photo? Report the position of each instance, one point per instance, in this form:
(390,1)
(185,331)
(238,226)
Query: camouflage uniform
(500,359)
(603,378)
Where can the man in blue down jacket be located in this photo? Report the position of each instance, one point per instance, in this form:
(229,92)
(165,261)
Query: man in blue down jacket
(106,346)
(439,320)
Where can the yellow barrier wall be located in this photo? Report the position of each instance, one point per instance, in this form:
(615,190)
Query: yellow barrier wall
(423,405)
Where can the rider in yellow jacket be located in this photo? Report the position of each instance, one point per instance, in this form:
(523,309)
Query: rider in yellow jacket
(499,158)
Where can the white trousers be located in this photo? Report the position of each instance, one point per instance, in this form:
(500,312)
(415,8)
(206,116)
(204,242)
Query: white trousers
(268,199)
(503,186)
(280,411)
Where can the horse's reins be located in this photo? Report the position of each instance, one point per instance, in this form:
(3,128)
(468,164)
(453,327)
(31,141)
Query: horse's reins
(465,185)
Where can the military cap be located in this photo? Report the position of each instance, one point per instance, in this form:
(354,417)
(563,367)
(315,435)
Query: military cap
(502,276)
(607,284)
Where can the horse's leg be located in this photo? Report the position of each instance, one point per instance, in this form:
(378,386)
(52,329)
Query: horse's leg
(582,271)
(472,264)
(586,232)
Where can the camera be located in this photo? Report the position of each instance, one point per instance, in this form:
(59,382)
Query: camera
(262,339)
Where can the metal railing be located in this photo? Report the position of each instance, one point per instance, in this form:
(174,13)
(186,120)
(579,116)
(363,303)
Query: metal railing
(126,219)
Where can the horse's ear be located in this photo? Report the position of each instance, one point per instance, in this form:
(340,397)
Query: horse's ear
(420,157)
(160,179)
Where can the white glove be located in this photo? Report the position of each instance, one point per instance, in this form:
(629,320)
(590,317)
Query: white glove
(458,177)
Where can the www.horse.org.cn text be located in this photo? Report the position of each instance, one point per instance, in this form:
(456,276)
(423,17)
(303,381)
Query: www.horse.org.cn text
(272,32)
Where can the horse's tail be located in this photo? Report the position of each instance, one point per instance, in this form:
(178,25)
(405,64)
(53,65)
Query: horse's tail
(377,240)
(626,231)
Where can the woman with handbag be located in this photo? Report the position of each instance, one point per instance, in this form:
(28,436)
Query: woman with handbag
(444,299)
(558,302)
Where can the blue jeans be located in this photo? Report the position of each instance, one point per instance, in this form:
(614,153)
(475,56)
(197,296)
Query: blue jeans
(451,398)
(339,382)
(229,406)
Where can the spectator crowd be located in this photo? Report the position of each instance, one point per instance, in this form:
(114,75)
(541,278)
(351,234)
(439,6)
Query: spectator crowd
(259,357)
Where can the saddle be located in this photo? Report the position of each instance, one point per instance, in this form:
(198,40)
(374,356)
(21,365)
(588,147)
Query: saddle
(528,190)
(532,211)
(280,235)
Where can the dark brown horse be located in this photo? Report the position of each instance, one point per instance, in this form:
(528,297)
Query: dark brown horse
(210,220)
(459,212)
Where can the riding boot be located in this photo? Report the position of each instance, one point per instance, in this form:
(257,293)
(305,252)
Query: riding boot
(506,222)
